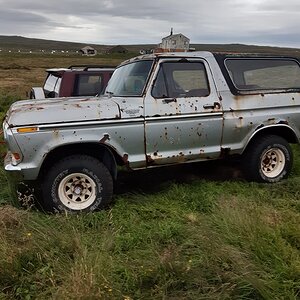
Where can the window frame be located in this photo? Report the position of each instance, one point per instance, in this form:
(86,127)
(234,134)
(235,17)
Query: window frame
(167,85)
(260,90)
(116,73)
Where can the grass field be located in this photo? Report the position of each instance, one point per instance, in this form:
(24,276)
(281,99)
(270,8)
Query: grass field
(188,232)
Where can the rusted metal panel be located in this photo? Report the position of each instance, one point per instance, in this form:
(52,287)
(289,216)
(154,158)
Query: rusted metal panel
(56,111)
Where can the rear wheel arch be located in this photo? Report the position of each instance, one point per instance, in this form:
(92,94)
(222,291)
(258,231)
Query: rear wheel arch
(281,130)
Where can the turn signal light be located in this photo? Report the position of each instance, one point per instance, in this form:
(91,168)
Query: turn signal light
(27,129)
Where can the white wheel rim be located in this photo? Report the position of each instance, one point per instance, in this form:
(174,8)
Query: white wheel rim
(272,162)
(77,191)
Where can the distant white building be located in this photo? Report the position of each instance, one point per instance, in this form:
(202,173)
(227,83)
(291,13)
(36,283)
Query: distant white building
(175,42)
(89,51)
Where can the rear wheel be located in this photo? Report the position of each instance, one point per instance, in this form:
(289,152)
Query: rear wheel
(78,183)
(268,159)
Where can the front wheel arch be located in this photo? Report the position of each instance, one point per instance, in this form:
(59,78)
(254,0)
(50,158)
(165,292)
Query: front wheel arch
(101,152)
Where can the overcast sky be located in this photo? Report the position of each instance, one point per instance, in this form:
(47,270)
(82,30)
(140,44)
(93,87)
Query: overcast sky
(259,22)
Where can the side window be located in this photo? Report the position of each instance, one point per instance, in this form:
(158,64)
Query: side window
(88,85)
(264,74)
(181,79)
(52,85)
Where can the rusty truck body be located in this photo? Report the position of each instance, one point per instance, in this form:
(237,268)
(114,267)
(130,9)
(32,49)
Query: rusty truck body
(158,109)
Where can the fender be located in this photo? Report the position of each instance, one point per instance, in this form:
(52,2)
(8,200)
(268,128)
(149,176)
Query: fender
(283,130)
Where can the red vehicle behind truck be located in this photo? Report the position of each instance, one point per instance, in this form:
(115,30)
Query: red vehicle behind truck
(74,81)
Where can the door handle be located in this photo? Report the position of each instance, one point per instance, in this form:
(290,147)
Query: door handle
(212,106)
(168,100)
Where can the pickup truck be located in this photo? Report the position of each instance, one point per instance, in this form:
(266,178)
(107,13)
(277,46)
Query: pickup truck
(77,80)
(158,109)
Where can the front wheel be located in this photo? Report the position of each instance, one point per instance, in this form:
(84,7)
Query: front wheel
(78,183)
(268,159)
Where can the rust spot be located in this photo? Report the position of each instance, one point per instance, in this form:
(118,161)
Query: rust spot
(104,139)
(283,122)
(217,106)
(56,133)
(150,160)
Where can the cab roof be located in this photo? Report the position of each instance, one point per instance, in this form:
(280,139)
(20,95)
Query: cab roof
(205,54)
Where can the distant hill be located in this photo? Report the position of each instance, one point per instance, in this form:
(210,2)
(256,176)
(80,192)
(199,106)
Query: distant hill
(241,48)
(23,43)
(16,43)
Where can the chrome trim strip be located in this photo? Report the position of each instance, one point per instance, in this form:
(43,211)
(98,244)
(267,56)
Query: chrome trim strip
(189,116)
(124,121)
(90,123)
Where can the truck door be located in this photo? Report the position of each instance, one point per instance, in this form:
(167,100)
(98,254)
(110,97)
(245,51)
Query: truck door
(183,113)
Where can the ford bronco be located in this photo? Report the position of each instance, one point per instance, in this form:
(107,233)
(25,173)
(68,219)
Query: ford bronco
(158,109)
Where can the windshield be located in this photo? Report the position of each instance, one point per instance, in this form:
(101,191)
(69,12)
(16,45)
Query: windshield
(130,79)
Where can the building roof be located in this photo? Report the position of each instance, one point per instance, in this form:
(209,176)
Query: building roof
(175,35)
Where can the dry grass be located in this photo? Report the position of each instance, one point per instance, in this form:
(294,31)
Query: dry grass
(18,73)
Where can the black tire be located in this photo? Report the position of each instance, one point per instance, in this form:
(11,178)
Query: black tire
(78,183)
(268,159)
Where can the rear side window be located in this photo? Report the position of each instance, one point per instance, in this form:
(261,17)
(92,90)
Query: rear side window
(52,85)
(264,74)
(181,79)
(88,85)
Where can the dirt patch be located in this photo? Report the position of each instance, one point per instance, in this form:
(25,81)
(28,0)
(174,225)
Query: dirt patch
(11,217)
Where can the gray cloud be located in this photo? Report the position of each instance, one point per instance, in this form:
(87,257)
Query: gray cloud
(270,22)
(22,22)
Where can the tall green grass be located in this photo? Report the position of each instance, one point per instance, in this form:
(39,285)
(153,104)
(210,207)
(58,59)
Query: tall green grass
(201,240)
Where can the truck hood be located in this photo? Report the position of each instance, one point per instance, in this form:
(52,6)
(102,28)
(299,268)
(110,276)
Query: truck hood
(58,110)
